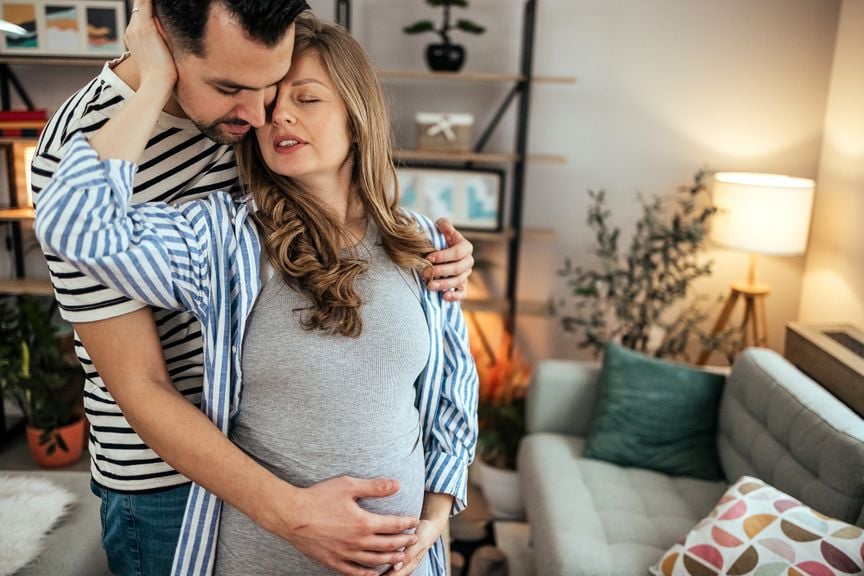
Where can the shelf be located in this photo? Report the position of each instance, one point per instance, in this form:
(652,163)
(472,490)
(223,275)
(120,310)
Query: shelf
(18,139)
(27,286)
(57,60)
(490,158)
(542,234)
(16,214)
(481,77)
(501,306)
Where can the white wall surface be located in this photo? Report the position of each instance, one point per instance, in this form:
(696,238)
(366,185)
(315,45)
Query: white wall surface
(834,275)
(663,88)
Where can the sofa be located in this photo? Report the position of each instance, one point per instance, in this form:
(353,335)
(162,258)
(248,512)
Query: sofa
(593,518)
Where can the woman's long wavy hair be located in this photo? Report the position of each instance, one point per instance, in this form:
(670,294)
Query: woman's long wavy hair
(303,239)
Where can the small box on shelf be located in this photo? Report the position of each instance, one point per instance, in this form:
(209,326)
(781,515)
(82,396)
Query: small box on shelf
(444,132)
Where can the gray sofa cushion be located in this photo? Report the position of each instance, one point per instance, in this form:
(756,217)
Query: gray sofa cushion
(594,518)
(780,426)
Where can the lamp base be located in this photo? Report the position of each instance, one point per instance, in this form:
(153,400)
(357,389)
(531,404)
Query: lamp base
(754,326)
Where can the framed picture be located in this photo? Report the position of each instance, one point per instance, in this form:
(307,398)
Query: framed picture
(470,198)
(64,28)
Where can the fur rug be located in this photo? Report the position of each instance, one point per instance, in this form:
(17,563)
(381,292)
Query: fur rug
(29,509)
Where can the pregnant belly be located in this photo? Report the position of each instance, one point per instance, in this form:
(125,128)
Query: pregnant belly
(245,548)
(304,465)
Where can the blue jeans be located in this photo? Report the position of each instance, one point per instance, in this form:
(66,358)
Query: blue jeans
(140,531)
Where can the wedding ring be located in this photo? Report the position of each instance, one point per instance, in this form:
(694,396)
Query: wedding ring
(134,10)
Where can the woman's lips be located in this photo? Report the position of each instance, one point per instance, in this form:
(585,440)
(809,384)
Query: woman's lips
(287,144)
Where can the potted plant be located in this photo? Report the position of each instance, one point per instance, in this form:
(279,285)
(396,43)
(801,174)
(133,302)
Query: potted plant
(504,379)
(45,386)
(445,56)
(642,298)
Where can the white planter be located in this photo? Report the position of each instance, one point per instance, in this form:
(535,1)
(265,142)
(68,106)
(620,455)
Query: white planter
(475,474)
(502,490)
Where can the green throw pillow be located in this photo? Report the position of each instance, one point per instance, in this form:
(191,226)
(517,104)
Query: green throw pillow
(657,415)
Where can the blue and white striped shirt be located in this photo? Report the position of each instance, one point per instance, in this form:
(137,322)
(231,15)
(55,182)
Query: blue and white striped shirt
(204,256)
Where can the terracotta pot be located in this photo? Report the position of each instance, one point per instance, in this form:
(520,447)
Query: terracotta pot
(502,490)
(73,437)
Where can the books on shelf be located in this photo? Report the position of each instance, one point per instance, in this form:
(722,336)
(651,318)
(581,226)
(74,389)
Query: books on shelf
(22,123)
(23,115)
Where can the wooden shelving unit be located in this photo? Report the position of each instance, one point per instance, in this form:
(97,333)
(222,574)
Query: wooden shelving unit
(17,214)
(537,234)
(26,286)
(502,306)
(517,99)
(20,130)
(479,157)
(52,61)
(479,77)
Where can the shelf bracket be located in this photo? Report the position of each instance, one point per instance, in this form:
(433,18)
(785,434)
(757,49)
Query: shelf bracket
(496,119)
(9,80)
(343,13)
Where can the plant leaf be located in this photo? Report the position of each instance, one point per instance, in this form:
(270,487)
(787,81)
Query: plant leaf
(470,27)
(419,27)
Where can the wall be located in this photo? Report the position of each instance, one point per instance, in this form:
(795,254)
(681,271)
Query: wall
(834,276)
(663,87)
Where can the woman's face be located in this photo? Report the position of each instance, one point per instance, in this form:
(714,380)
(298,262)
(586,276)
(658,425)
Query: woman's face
(306,137)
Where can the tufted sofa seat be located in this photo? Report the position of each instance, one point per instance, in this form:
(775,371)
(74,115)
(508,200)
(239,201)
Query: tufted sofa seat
(593,518)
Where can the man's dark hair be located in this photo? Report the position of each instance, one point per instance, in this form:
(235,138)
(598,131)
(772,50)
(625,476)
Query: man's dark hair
(265,21)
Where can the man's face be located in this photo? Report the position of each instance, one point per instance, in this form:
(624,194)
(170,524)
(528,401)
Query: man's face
(226,92)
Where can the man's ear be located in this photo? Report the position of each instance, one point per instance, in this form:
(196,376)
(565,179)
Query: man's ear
(165,36)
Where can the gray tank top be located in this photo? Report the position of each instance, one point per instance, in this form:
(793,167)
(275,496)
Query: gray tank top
(316,406)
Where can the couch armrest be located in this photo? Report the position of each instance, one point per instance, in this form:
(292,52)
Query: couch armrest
(561,397)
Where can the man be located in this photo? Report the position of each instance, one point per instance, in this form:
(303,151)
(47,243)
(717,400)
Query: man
(144,368)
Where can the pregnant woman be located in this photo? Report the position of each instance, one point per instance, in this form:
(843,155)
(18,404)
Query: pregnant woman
(326,356)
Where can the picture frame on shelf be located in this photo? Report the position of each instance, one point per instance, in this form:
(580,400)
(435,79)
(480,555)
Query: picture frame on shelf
(64,28)
(471,198)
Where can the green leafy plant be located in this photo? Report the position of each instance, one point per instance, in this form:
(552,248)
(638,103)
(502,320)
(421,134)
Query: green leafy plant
(447,25)
(33,372)
(641,298)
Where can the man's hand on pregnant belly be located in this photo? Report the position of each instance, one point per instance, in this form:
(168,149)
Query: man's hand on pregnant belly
(325,523)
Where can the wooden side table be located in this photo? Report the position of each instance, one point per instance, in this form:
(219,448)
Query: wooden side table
(831,354)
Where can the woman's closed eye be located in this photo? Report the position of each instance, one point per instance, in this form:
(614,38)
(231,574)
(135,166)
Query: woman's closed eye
(308,99)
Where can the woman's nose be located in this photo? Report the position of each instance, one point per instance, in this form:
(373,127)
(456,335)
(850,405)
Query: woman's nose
(283,115)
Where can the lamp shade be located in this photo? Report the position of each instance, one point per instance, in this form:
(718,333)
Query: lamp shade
(764,213)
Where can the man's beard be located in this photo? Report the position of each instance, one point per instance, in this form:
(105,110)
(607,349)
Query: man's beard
(212,131)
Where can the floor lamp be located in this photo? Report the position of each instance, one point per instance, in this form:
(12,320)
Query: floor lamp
(759,214)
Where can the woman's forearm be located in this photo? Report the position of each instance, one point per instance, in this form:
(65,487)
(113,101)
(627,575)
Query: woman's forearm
(436,507)
(125,136)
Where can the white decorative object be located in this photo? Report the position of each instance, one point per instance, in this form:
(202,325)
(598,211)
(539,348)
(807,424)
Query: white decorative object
(502,490)
(448,132)
(29,509)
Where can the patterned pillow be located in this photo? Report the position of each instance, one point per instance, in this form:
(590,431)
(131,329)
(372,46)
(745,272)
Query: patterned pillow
(758,530)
